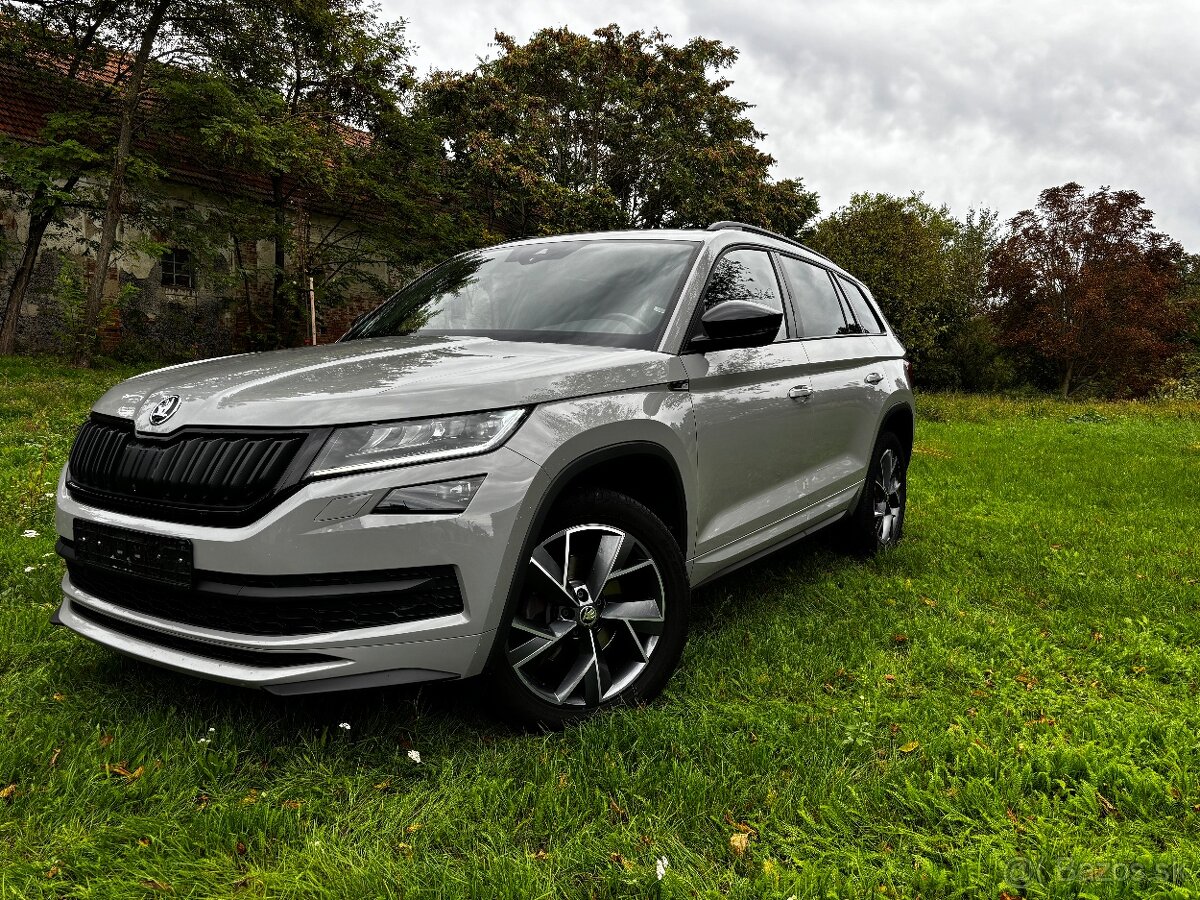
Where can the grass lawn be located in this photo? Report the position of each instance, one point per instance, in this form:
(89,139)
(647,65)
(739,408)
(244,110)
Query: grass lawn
(1005,706)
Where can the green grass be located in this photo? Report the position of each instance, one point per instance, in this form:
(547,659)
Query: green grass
(1007,704)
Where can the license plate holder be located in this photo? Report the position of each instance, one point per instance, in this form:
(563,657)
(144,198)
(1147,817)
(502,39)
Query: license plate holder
(154,557)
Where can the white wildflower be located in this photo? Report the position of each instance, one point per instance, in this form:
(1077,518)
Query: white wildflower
(660,867)
(345,726)
(212,730)
(29,533)
(415,756)
(28,569)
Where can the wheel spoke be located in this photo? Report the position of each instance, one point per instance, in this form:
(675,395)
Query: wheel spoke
(633,635)
(540,640)
(635,567)
(596,680)
(544,563)
(583,662)
(613,551)
(633,610)
(647,626)
(887,466)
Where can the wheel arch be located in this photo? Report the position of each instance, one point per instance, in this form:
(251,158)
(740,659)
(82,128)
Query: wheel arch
(642,470)
(900,421)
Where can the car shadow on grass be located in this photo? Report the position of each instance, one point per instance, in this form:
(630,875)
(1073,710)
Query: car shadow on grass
(130,689)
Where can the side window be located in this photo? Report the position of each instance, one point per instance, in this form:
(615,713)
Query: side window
(745,275)
(862,309)
(817,302)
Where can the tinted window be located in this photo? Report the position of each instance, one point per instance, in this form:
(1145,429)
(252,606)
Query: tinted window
(745,275)
(610,292)
(817,301)
(862,309)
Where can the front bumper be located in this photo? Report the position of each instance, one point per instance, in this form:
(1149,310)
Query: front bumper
(326,527)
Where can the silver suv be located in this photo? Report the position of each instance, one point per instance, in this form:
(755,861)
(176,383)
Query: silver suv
(520,464)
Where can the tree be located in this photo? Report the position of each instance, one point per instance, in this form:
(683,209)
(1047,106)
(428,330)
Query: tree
(928,272)
(1085,287)
(56,47)
(570,132)
(310,100)
(131,97)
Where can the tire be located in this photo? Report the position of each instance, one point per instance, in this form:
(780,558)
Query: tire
(572,644)
(877,520)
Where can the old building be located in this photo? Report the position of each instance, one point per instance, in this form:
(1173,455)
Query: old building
(164,298)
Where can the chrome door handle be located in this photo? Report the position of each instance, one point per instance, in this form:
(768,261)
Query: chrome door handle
(873,378)
(801,392)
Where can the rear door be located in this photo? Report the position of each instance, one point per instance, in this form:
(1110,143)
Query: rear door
(843,373)
(747,425)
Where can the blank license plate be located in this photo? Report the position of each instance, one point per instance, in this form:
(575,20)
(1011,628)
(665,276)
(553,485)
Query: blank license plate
(155,557)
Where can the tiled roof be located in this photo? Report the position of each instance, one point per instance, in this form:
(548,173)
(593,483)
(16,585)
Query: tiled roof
(23,108)
(28,97)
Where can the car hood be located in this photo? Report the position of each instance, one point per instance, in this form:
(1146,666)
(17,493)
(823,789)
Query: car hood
(380,379)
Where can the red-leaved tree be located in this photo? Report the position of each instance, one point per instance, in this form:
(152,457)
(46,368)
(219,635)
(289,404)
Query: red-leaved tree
(1086,290)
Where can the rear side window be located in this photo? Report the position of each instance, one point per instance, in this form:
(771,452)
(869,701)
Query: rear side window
(817,302)
(745,275)
(861,307)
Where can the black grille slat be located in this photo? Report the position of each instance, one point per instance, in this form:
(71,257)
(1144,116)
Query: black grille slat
(210,476)
(287,605)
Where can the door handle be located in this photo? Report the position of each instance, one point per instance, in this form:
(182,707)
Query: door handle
(873,378)
(801,392)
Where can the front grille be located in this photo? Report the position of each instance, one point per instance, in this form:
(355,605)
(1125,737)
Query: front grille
(292,605)
(206,476)
(222,652)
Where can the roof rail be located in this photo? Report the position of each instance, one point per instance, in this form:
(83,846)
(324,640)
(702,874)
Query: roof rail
(754,229)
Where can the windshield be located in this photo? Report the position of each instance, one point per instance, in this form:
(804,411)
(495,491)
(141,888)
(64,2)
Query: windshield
(616,293)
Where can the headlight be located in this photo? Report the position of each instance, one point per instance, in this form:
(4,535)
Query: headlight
(420,440)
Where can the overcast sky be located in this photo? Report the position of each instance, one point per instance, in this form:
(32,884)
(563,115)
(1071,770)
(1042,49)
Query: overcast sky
(976,103)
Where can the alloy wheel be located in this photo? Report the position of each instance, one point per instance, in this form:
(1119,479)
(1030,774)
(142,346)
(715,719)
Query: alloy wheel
(886,495)
(590,617)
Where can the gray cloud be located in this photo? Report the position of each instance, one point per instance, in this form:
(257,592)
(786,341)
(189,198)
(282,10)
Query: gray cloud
(974,103)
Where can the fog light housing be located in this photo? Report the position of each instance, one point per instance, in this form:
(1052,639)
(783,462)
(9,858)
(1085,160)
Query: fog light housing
(444,498)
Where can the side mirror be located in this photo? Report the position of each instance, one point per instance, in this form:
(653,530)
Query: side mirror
(735,324)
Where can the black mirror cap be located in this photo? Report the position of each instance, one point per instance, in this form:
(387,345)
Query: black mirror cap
(735,324)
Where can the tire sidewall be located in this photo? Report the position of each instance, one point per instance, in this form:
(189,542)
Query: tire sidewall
(858,534)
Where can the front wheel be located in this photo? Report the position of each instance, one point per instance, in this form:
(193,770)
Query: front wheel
(601,614)
(877,521)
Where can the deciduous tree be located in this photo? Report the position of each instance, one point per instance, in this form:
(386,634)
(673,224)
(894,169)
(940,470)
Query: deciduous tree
(312,100)
(56,49)
(570,132)
(926,268)
(1087,290)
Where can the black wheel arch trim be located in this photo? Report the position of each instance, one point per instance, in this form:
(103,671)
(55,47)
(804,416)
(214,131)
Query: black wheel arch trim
(551,496)
(898,409)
